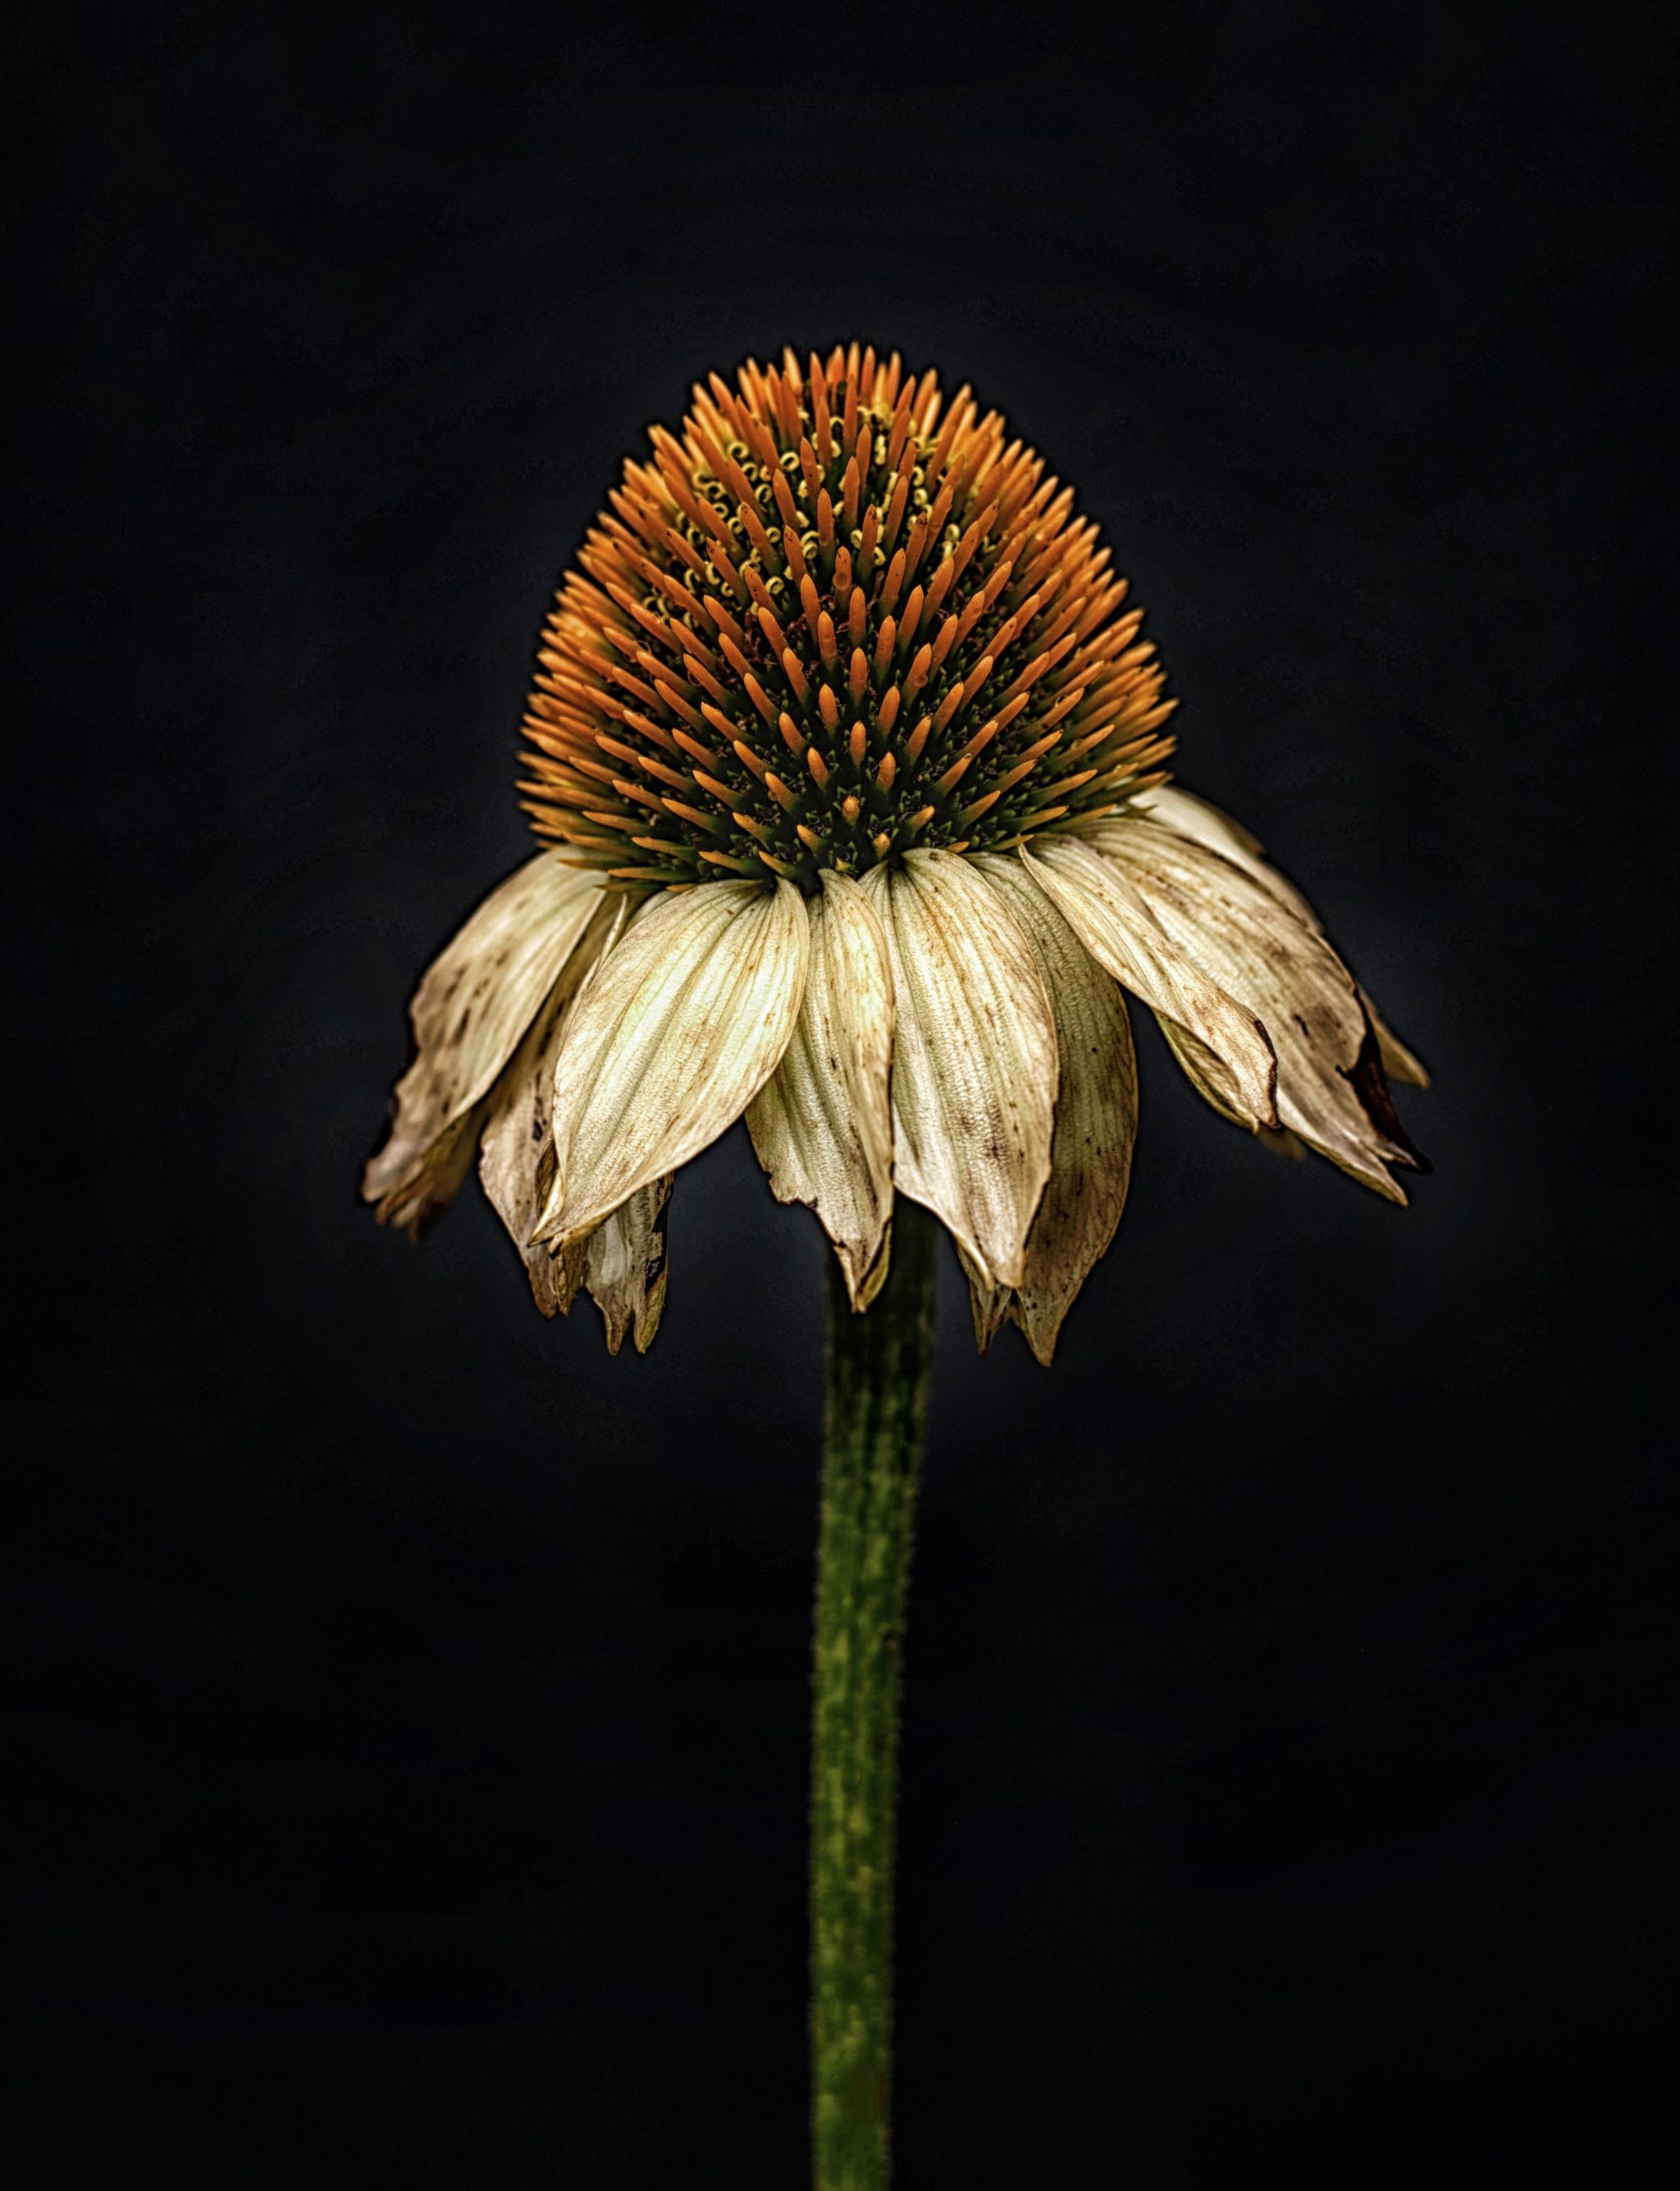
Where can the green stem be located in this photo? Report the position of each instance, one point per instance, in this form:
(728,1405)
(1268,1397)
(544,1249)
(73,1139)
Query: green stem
(877,1423)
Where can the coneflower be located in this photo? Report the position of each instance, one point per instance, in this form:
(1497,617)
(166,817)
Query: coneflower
(834,620)
(850,756)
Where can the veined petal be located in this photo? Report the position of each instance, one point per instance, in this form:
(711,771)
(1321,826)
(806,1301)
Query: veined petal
(822,1123)
(1096,1113)
(682,1024)
(1202,1070)
(516,1160)
(425,1188)
(974,1067)
(474,1004)
(988,1305)
(1195,818)
(625,1266)
(1103,906)
(1330,1087)
(515,1163)
(1399,1062)
(1175,808)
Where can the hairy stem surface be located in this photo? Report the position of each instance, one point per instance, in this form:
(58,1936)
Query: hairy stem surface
(877,1419)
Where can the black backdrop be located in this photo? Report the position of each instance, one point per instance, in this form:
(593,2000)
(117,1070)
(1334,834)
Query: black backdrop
(414,1718)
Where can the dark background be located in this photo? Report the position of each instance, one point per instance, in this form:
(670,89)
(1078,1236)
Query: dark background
(413,1722)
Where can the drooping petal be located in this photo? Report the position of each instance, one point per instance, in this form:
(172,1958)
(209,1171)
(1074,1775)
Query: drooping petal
(822,1123)
(1202,1069)
(516,1160)
(516,1164)
(1175,808)
(625,1264)
(1180,809)
(425,1188)
(474,1004)
(988,1305)
(1103,906)
(679,1027)
(1330,1087)
(1096,1113)
(974,1069)
(1399,1062)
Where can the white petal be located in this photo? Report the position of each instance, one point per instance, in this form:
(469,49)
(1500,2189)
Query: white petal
(822,1123)
(475,1002)
(1202,1070)
(1096,1113)
(625,1262)
(1175,808)
(1399,1062)
(426,1187)
(1104,910)
(515,1161)
(1195,818)
(877,1275)
(989,1305)
(1330,1089)
(680,1027)
(974,1057)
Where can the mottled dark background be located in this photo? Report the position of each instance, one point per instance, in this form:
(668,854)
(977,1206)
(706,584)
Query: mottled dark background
(414,1726)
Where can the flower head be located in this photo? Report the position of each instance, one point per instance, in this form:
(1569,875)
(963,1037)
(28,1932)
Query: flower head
(833,622)
(850,758)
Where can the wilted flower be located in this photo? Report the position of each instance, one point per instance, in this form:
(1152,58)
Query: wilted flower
(852,759)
